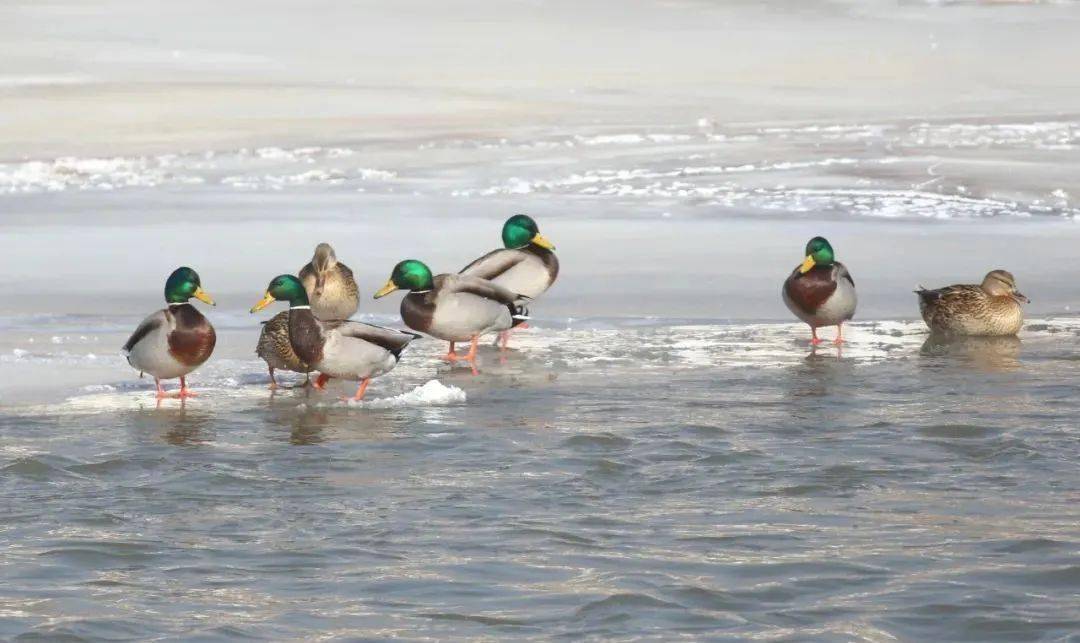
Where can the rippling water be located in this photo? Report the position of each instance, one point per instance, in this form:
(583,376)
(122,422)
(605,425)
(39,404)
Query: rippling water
(643,480)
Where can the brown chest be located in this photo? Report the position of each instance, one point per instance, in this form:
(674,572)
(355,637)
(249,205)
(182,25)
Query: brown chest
(192,339)
(810,290)
(305,335)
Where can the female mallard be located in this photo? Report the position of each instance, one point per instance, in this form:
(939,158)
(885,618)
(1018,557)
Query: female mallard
(330,285)
(343,349)
(176,340)
(990,309)
(821,291)
(274,347)
(454,308)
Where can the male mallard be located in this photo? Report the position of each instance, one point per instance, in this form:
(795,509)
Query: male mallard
(333,294)
(454,308)
(991,309)
(526,264)
(330,285)
(343,349)
(276,349)
(820,291)
(176,340)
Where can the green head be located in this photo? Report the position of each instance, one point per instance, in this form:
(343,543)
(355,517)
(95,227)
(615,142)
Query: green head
(409,275)
(182,285)
(283,288)
(520,230)
(818,253)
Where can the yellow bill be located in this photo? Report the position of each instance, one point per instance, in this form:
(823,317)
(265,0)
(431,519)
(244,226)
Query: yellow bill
(543,242)
(387,289)
(263,303)
(201,295)
(807,264)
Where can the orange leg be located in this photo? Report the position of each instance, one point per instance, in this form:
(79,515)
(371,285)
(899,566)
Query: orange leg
(360,391)
(504,340)
(184,390)
(451,356)
(320,382)
(161,394)
(273,382)
(471,357)
(814,339)
(839,334)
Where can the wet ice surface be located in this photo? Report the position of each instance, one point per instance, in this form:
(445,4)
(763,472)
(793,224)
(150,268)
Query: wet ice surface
(618,479)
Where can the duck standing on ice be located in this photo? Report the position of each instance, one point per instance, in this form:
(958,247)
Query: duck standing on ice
(526,264)
(176,340)
(820,291)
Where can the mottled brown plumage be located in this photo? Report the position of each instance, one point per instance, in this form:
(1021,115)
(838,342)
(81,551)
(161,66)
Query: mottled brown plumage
(330,285)
(991,308)
(276,349)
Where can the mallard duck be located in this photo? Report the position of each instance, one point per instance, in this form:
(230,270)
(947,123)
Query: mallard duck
(454,308)
(274,347)
(820,291)
(526,264)
(991,308)
(340,349)
(330,285)
(176,340)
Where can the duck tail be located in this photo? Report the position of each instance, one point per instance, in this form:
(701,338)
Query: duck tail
(927,295)
(519,314)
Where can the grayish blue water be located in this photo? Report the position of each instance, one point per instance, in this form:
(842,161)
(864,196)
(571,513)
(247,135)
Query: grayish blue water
(639,482)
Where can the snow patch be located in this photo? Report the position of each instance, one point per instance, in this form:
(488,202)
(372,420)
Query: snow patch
(433,393)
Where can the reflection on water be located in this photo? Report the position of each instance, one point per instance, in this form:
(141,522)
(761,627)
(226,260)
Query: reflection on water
(983,353)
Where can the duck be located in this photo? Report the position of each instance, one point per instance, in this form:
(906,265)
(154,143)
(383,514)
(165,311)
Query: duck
(342,349)
(990,309)
(276,350)
(454,307)
(333,294)
(820,291)
(175,340)
(330,285)
(526,264)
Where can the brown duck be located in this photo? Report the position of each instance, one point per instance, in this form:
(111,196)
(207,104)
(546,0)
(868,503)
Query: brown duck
(991,308)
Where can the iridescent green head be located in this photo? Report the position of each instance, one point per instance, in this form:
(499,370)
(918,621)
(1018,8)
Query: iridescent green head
(520,230)
(818,253)
(411,275)
(283,288)
(182,285)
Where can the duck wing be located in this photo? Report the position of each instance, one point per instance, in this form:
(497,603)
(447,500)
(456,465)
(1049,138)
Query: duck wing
(948,292)
(493,264)
(148,325)
(394,341)
(484,288)
(842,273)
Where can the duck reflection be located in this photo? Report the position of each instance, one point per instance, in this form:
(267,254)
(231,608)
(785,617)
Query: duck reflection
(984,353)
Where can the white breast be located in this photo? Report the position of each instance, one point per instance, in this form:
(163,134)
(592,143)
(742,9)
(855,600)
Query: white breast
(151,355)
